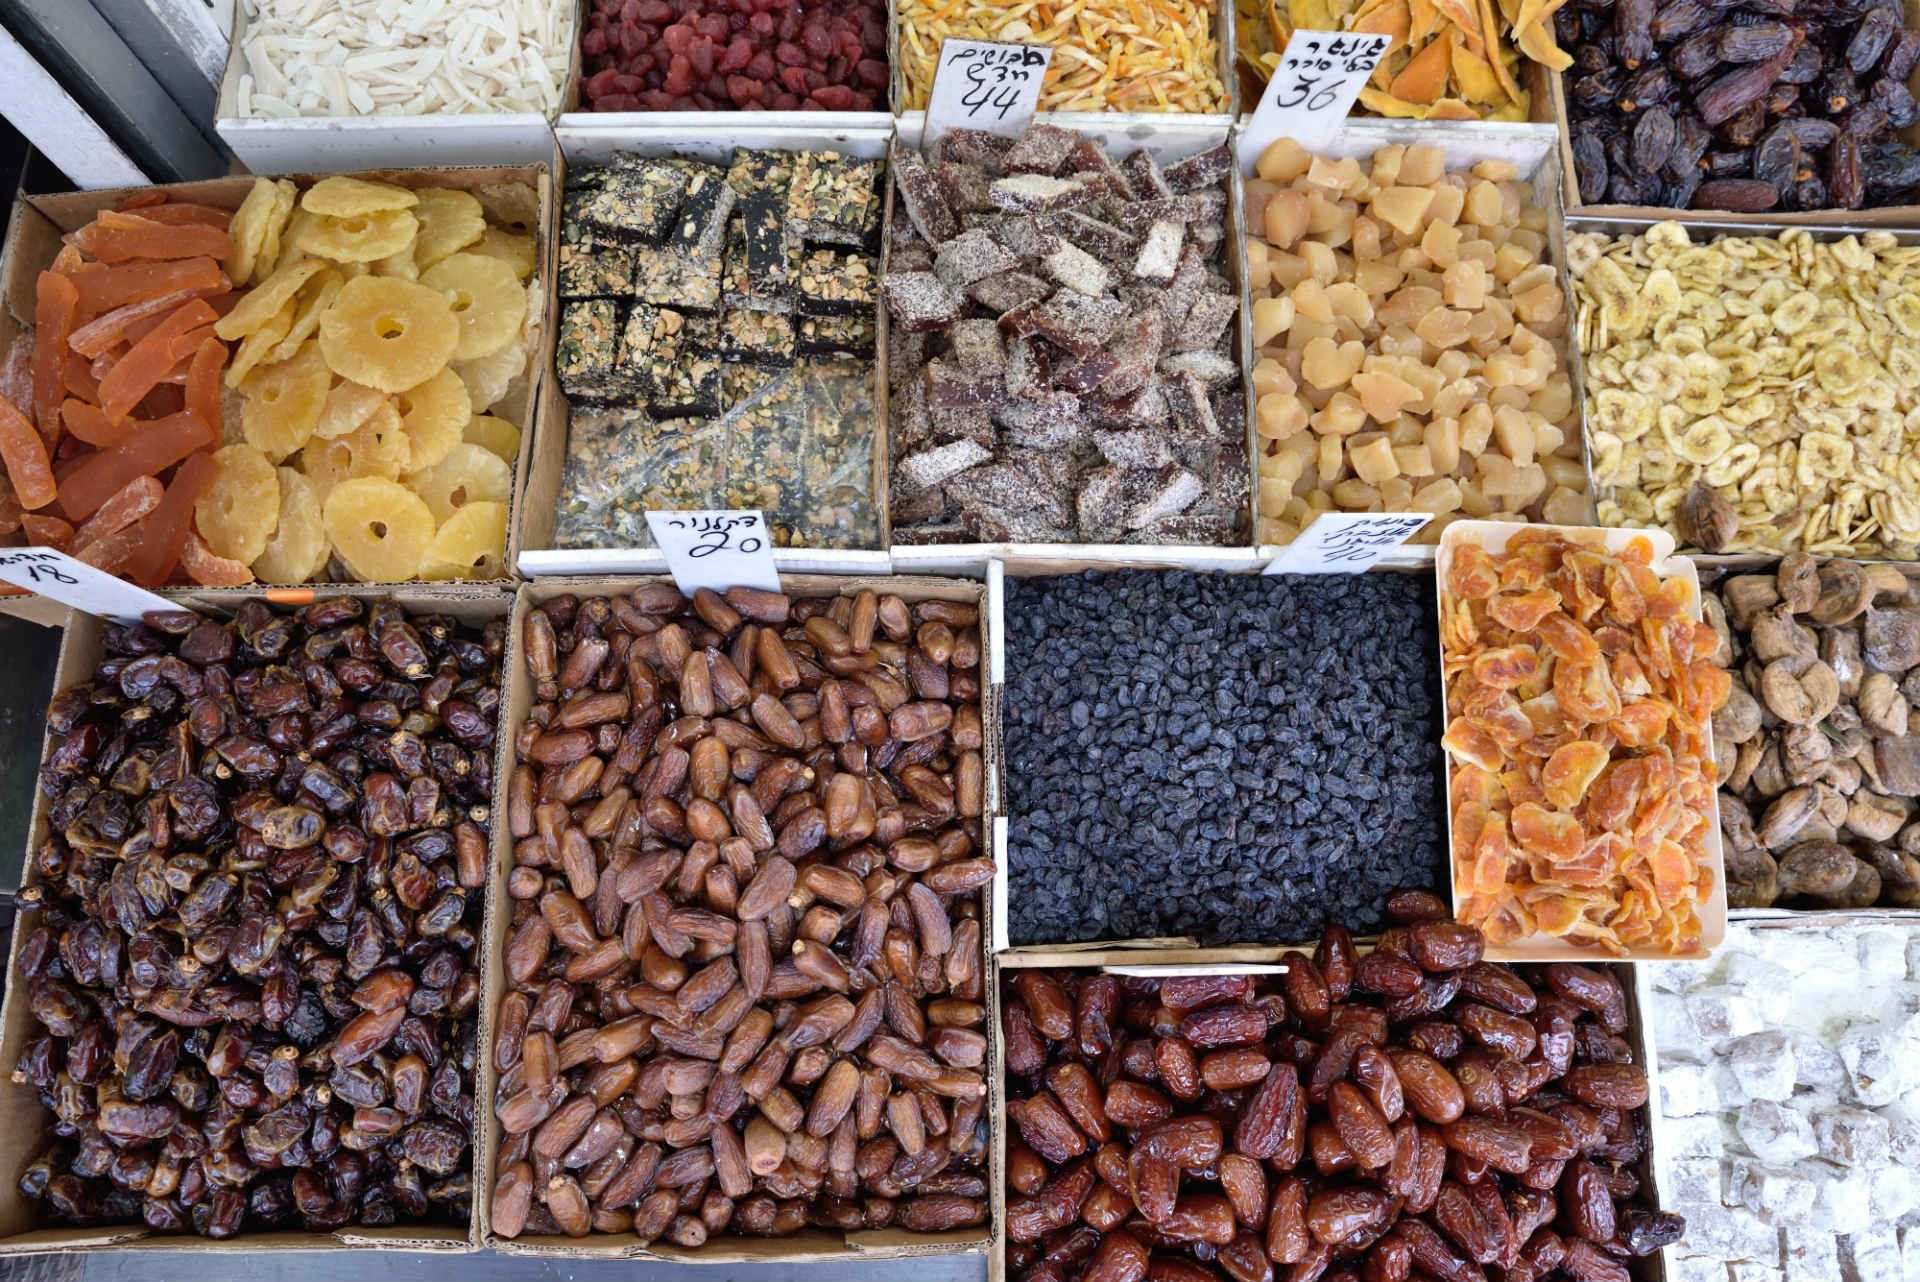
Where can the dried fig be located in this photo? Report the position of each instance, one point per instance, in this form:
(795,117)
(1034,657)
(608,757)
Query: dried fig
(1804,753)
(1840,650)
(1881,704)
(1738,719)
(1736,823)
(1747,595)
(1716,615)
(1893,639)
(1899,876)
(1874,817)
(1753,879)
(1799,689)
(1706,520)
(1799,581)
(1844,593)
(1785,818)
(1775,635)
(1821,870)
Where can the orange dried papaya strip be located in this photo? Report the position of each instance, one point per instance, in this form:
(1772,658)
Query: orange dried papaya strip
(146,199)
(164,442)
(80,380)
(89,423)
(55,303)
(147,361)
(203,379)
(102,332)
(209,569)
(115,238)
(111,552)
(48,531)
(185,214)
(24,452)
(131,502)
(163,530)
(104,288)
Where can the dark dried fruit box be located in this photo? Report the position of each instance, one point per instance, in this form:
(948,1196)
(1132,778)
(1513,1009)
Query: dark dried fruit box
(23,1229)
(811,1245)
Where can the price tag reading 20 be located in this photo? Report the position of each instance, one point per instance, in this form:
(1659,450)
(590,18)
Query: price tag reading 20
(984,84)
(717,550)
(1319,76)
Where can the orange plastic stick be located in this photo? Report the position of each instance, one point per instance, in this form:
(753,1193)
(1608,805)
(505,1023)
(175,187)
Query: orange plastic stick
(115,238)
(24,452)
(55,302)
(163,443)
(134,500)
(147,362)
(163,530)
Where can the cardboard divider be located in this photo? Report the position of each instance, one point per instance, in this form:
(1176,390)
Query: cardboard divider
(1634,979)
(530,550)
(812,1245)
(1492,536)
(1160,950)
(1531,149)
(34,237)
(23,1122)
(320,144)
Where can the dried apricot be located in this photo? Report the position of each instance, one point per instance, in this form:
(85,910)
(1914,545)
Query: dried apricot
(378,528)
(389,334)
(237,514)
(209,569)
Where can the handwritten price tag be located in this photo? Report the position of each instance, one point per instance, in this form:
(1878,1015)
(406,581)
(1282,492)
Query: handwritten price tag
(56,575)
(717,550)
(982,84)
(1320,74)
(1346,542)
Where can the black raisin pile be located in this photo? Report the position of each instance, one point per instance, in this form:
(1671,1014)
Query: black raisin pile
(1237,758)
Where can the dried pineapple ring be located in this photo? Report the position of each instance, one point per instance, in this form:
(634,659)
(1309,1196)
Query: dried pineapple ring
(237,513)
(279,219)
(389,334)
(298,549)
(450,220)
(342,197)
(284,402)
(290,251)
(495,435)
(488,378)
(434,415)
(314,301)
(485,295)
(378,529)
(514,206)
(257,346)
(361,238)
(471,545)
(515,251)
(469,474)
(265,300)
(248,231)
(1705,441)
(349,406)
(377,448)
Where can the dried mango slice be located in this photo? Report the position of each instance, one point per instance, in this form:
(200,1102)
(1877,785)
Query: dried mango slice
(360,238)
(469,474)
(450,220)
(471,545)
(131,502)
(25,455)
(163,443)
(343,197)
(209,569)
(495,435)
(348,407)
(378,528)
(483,292)
(283,402)
(266,299)
(434,415)
(105,332)
(237,514)
(298,549)
(56,303)
(115,238)
(177,213)
(377,448)
(389,334)
(515,251)
(257,346)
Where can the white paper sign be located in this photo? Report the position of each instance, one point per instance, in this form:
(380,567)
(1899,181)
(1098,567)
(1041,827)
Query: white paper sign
(984,84)
(1346,542)
(717,550)
(54,574)
(1320,74)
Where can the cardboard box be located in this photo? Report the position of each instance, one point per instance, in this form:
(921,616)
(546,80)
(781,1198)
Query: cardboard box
(23,1228)
(812,1245)
(1493,536)
(327,144)
(1173,950)
(1634,979)
(34,237)
(1531,149)
(530,547)
(1169,138)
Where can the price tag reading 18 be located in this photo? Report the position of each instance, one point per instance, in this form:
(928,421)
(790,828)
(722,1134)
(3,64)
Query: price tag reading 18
(717,550)
(983,84)
(1319,76)
(72,582)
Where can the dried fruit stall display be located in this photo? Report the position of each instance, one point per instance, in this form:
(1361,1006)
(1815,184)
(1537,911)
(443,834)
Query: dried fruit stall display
(275,381)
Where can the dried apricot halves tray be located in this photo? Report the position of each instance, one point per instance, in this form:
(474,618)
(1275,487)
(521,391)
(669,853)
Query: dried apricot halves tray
(1583,819)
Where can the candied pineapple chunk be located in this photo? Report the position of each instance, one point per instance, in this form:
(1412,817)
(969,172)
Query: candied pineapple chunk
(1410,334)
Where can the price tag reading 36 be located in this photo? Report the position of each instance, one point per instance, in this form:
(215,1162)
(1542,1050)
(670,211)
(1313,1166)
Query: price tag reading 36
(1319,76)
(717,550)
(984,84)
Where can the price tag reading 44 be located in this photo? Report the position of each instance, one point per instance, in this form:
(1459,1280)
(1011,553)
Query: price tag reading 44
(717,550)
(1320,74)
(1346,542)
(73,582)
(982,84)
